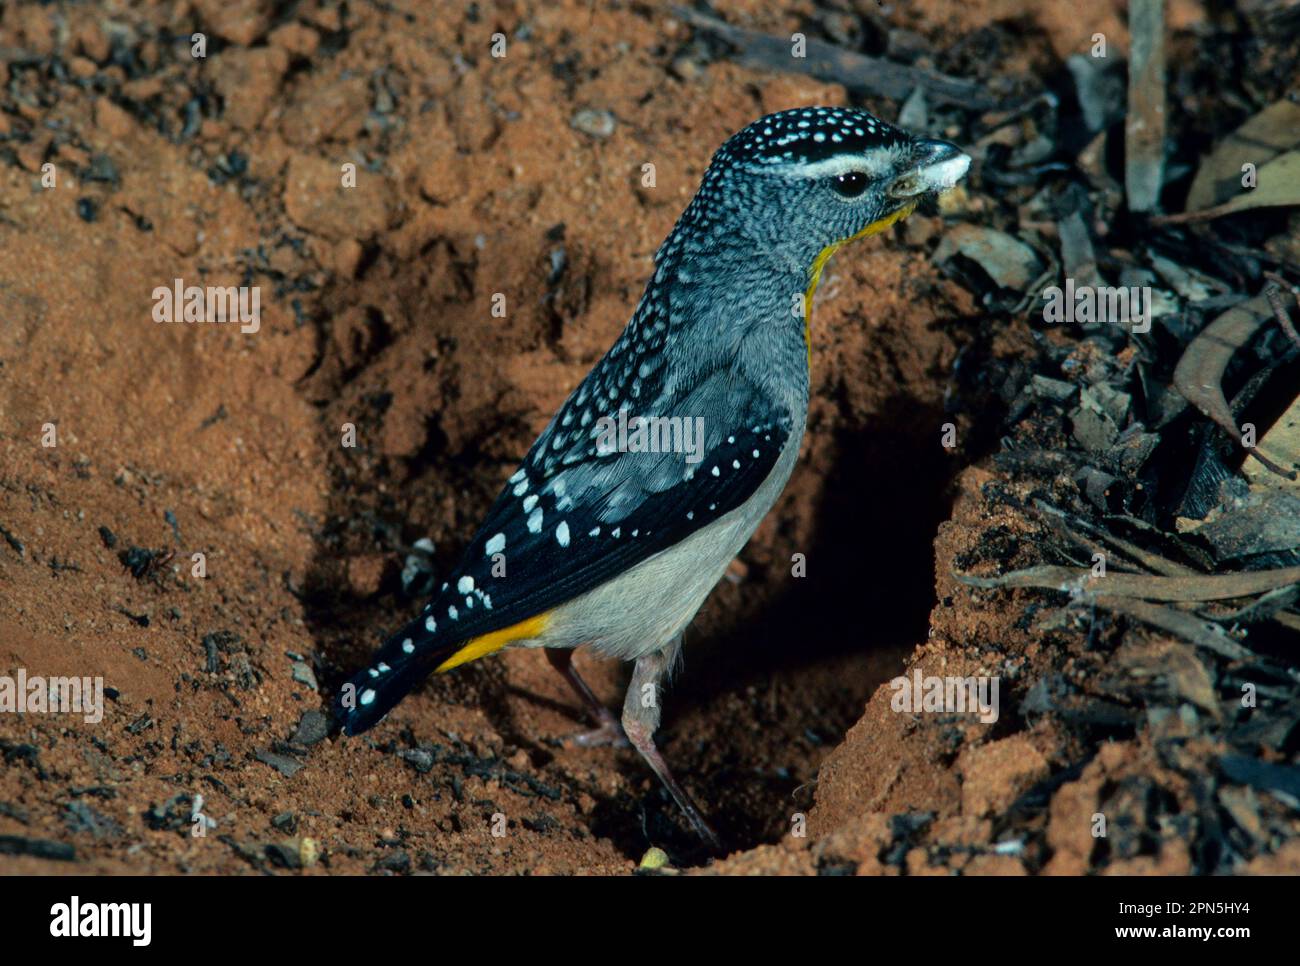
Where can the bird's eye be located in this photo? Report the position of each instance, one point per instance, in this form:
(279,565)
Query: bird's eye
(850,184)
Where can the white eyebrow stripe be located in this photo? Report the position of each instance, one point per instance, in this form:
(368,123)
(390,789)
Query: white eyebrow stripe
(873,163)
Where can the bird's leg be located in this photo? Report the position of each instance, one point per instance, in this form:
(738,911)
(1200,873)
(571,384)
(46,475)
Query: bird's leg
(641,719)
(608,730)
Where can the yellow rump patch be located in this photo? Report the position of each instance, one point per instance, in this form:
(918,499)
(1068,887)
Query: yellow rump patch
(815,274)
(477,647)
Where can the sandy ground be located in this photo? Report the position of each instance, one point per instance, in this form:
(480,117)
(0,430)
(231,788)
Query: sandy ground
(176,439)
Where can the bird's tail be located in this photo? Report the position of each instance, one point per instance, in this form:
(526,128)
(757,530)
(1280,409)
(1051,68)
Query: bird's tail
(395,670)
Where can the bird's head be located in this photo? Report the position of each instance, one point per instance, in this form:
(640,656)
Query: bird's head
(798,184)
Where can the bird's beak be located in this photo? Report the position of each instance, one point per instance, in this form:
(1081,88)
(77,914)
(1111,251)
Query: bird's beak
(936,166)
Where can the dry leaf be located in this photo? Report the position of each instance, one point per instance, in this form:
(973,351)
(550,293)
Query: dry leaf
(1278,186)
(1272,131)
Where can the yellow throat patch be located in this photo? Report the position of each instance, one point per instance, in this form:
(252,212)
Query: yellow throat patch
(824,256)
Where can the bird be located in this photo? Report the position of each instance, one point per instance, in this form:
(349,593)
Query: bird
(607,539)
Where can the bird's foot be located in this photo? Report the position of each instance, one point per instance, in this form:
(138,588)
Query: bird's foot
(608,735)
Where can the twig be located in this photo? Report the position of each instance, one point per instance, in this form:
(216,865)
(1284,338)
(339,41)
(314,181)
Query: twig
(1189,588)
(829,62)
(1144,128)
(1273,292)
(1066,524)
(1262,608)
(1192,217)
(1208,635)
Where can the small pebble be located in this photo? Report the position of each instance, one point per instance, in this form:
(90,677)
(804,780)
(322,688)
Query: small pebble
(654,858)
(597,124)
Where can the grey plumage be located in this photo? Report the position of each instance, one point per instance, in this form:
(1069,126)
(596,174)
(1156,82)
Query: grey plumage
(619,548)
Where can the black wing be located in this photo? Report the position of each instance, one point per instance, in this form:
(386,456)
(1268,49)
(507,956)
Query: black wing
(565,525)
(575,516)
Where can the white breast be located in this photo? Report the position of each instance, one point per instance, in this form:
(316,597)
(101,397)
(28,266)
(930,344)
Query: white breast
(642,610)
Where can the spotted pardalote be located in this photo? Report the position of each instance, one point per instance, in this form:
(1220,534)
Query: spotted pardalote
(615,546)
